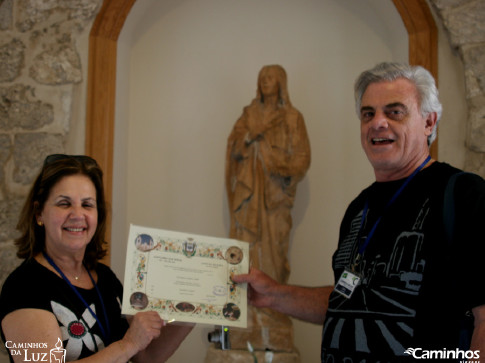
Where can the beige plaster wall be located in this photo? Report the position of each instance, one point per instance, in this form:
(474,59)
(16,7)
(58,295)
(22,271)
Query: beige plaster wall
(185,71)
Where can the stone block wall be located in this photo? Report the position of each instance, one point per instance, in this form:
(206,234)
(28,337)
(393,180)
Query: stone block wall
(464,21)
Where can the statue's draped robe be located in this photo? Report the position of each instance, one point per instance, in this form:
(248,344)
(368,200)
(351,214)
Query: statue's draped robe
(268,153)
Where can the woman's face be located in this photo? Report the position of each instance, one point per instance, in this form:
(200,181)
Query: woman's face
(70,214)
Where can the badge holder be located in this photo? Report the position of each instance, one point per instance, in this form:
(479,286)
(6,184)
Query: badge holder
(348,281)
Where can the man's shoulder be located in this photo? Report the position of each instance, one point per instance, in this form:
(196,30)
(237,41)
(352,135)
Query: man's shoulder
(463,177)
(443,169)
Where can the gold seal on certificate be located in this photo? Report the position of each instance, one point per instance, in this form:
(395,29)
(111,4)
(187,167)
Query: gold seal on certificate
(185,277)
(234,255)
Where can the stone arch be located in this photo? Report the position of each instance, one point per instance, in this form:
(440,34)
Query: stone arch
(101,86)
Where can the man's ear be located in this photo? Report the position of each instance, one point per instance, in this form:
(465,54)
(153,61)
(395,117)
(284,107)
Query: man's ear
(431,121)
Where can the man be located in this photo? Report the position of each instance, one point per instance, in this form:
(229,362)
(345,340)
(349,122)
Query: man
(404,289)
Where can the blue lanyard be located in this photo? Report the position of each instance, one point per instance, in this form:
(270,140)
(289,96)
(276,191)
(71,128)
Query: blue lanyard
(101,327)
(391,201)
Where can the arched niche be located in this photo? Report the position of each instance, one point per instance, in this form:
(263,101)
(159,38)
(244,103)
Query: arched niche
(416,16)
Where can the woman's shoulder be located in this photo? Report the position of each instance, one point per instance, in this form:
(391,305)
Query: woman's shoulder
(28,270)
(108,283)
(103,269)
(106,275)
(26,287)
(29,277)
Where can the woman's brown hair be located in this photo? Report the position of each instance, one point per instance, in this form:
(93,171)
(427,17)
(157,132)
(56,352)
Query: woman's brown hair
(56,167)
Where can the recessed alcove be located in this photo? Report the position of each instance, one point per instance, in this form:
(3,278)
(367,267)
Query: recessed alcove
(185,70)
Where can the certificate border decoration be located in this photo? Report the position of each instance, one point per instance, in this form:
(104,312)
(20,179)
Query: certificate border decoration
(144,243)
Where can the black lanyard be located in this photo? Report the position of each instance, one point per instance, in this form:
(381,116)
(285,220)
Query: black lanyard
(106,333)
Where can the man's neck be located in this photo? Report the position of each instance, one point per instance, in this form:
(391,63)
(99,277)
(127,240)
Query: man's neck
(387,176)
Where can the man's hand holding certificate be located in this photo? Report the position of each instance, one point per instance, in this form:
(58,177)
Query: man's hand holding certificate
(185,277)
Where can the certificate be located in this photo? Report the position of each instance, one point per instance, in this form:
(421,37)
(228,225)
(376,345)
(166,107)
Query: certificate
(185,277)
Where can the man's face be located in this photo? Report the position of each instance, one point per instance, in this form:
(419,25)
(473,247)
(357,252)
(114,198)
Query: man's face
(393,132)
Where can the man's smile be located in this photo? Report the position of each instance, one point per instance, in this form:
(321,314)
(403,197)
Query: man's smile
(381,141)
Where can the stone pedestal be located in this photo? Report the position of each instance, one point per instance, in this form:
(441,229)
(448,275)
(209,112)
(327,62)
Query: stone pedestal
(267,330)
(243,356)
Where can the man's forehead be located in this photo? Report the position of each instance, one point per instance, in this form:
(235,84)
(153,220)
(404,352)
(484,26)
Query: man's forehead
(386,93)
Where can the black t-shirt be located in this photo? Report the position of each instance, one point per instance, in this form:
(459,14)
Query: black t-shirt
(417,286)
(33,286)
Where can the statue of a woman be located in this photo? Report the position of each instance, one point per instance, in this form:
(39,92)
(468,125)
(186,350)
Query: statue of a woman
(268,153)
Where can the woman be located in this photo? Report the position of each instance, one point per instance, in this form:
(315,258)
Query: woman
(60,292)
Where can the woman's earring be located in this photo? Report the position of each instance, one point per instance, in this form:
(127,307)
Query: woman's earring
(40,223)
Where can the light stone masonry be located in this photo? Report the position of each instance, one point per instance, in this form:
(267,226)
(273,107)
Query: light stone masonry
(39,66)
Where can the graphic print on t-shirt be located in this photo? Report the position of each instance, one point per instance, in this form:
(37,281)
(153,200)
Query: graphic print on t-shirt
(379,315)
(77,330)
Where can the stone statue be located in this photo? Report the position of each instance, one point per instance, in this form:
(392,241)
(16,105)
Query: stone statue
(268,153)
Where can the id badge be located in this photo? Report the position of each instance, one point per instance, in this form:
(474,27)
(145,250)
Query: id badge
(347,283)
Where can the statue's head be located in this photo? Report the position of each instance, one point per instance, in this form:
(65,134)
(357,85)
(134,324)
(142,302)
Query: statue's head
(278,73)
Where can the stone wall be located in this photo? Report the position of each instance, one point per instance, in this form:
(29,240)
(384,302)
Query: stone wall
(40,70)
(464,21)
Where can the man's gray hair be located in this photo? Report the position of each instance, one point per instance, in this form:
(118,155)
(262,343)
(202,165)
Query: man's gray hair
(419,76)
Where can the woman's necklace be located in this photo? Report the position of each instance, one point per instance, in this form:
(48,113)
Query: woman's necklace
(80,275)
(75,277)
